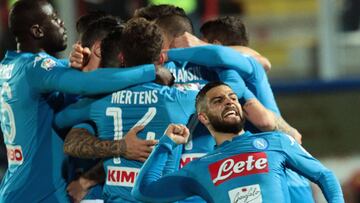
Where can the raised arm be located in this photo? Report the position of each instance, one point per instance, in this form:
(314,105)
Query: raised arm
(299,160)
(254,111)
(150,185)
(251,52)
(189,40)
(213,56)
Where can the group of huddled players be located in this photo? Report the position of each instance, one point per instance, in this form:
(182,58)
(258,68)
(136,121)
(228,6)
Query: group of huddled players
(147,112)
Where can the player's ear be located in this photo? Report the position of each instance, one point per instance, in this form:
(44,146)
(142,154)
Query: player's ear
(217,42)
(96,48)
(203,118)
(36,31)
(162,58)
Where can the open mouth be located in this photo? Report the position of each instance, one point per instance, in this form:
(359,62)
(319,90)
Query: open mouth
(231,113)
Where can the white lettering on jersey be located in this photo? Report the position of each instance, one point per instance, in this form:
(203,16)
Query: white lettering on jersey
(246,194)
(6,71)
(121,176)
(187,75)
(132,97)
(238,165)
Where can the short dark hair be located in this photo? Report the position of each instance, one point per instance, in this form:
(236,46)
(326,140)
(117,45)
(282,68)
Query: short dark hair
(229,30)
(200,103)
(141,42)
(84,21)
(98,30)
(111,47)
(23,15)
(174,25)
(153,12)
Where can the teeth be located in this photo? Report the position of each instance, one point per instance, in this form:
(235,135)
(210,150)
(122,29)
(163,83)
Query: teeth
(230,113)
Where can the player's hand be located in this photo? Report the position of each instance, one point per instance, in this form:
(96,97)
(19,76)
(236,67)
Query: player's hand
(187,40)
(79,56)
(137,149)
(164,76)
(178,133)
(77,189)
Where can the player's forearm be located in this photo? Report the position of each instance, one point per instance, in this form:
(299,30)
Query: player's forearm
(213,56)
(261,59)
(80,143)
(283,126)
(259,116)
(150,186)
(330,187)
(95,175)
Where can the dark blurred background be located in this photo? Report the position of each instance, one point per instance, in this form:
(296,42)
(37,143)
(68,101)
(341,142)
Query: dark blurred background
(314,47)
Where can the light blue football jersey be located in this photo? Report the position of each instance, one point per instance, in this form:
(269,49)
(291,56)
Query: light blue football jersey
(256,80)
(152,105)
(250,168)
(34,151)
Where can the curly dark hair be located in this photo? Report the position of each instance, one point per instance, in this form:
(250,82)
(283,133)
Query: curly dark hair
(228,30)
(141,42)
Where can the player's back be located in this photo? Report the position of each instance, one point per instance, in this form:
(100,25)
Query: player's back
(152,105)
(26,124)
(249,168)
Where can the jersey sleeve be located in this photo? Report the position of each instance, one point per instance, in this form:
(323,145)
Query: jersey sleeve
(151,186)
(73,114)
(87,127)
(237,84)
(299,160)
(49,75)
(65,62)
(186,101)
(259,84)
(213,56)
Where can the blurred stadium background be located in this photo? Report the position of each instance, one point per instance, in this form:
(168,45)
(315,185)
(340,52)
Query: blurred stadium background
(314,47)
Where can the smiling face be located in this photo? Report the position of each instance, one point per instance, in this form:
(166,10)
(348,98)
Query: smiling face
(223,112)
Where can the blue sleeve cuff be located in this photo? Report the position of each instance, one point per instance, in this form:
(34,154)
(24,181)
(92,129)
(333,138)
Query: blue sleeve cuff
(167,143)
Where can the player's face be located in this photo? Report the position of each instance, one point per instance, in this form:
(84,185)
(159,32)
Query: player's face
(224,110)
(54,31)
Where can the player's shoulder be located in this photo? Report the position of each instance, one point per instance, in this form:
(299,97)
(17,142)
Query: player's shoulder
(272,140)
(45,61)
(170,92)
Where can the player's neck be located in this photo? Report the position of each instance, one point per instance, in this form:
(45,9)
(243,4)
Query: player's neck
(221,137)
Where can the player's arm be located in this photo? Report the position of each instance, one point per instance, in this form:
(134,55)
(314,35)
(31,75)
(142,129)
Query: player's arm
(299,160)
(150,185)
(46,77)
(254,111)
(73,114)
(81,142)
(282,126)
(213,56)
(189,40)
(183,107)
(251,52)
(77,189)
